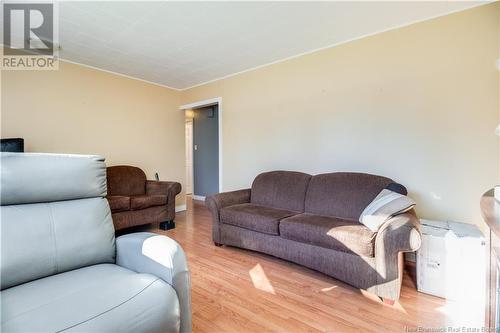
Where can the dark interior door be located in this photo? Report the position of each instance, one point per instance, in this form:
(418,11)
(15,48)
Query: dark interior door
(206,151)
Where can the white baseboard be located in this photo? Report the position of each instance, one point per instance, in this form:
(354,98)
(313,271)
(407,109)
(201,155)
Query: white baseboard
(198,197)
(180,208)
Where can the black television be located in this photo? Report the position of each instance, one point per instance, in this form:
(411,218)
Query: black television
(12,145)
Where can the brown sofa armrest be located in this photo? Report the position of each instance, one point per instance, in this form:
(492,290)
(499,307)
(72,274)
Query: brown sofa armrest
(218,201)
(399,234)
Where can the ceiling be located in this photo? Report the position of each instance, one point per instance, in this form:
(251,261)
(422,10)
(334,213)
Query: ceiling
(183,44)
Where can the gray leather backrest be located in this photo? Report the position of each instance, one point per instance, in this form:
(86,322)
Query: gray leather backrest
(31,178)
(54,216)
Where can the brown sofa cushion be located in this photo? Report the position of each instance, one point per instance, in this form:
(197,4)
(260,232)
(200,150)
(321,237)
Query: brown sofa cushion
(125,180)
(280,189)
(132,218)
(146,201)
(329,232)
(343,194)
(254,217)
(118,203)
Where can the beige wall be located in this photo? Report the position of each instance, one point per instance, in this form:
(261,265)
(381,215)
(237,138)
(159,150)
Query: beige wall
(80,110)
(417,104)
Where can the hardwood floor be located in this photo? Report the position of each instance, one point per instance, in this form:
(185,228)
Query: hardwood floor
(235,290)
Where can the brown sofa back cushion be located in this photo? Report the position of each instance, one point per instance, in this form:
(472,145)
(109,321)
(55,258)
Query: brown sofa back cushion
(343,194)
(280,189)
(126,180)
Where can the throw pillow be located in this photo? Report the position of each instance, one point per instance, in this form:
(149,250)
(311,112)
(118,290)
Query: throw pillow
(385,205)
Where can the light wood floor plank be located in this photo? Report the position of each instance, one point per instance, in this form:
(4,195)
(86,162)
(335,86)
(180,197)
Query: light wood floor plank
(282,296)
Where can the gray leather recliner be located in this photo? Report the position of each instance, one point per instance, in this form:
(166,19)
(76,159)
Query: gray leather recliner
(62,268)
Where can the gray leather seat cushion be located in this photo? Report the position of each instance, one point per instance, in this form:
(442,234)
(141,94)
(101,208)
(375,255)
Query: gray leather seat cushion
(99,298)
(254,217)
(330,232)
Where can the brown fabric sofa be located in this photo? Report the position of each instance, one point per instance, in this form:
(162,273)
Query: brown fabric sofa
(136,201)
(313,221)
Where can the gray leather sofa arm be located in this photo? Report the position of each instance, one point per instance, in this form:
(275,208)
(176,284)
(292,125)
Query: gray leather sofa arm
(163,257)
(218,201)
(397,235)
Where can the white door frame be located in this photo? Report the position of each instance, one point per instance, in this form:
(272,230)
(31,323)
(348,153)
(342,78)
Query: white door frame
(208,102)
(189,171)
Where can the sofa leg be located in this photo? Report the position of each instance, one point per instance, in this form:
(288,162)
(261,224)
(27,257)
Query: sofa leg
(217,244)
(388,301)
(167,225)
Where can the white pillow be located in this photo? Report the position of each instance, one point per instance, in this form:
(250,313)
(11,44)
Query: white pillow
(385,205)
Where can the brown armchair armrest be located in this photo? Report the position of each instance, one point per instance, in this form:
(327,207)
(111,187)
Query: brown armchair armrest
(399,234)
(218,201)
(170,189)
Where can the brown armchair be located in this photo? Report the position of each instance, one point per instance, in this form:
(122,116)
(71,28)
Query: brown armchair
(136,201)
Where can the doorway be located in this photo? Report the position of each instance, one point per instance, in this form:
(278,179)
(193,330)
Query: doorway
(203,152)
